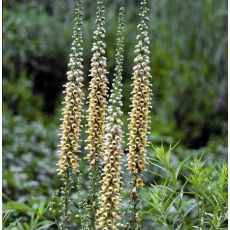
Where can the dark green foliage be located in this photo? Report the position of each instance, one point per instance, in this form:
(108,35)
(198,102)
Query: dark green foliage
(29,163)
(29,157)
(22,101)
(188,56)
(31,47)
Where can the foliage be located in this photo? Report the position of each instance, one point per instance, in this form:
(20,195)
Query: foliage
(33,50)
(22,101)
(30,178)
(29,172)
(188,194)
(36,215)
(29,157)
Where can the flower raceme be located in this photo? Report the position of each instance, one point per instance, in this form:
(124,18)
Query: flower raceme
(96,113)
(139,115)
(112,148)
(68,163)
(141,101)
(98,91)
(70,127)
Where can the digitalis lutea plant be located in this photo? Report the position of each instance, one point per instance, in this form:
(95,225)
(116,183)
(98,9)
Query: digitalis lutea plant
(140,108)
(96,112)
(108,212)
(68,163)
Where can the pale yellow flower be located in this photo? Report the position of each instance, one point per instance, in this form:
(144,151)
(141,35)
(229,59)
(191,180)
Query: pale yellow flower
(112,146)
(71,113)
(141,102)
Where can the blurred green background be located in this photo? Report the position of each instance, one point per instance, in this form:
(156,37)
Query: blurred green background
(188,65)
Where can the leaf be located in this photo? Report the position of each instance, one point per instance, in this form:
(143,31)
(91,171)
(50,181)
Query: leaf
(15,205)
(45,225)
(6,216)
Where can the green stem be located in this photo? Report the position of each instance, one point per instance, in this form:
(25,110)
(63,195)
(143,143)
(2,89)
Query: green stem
(134,221)
(94,175)
(67,188)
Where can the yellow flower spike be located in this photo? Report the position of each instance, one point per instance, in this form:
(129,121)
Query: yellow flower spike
(96,111)
(141,101)
(112,145)
(70,127)
(139,115)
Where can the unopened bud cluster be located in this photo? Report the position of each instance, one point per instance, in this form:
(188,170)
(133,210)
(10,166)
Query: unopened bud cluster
(141,101)
(70,127)
(112,148)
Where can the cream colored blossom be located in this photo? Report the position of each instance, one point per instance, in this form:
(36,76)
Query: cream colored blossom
(141,101)
(96,112)
(112,147)
(98,92)
(71,113)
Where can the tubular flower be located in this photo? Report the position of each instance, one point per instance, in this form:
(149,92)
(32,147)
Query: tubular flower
(112,148)
(141,101)
(70,127)
(98,91)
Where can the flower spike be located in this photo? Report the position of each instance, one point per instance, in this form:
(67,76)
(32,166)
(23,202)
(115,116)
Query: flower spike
(141,101)
(98,91)
(139,115)
(96,113)
(68,164)
(112,149)
(70,135)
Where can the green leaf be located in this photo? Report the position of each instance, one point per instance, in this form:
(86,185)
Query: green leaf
(45,225)
(15,205)
(6,216)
